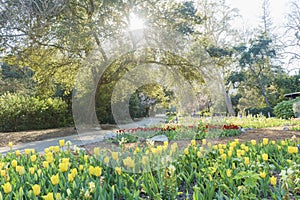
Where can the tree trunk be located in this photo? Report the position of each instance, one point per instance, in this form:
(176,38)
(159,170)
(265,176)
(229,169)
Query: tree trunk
(264,93)
(229,104)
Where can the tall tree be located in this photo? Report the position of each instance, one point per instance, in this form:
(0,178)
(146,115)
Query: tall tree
(292,34)
(218,36)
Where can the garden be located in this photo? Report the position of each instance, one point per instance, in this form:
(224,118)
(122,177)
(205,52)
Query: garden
(229,97)
(202,168)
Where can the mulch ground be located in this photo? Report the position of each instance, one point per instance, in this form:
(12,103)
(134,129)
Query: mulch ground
(276,133)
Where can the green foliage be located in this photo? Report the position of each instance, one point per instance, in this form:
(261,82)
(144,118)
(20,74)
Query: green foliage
(19,112)
(284,109)
(260,111)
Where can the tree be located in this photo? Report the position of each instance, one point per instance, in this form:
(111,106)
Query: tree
(255,61)
(218,38)
(292,32)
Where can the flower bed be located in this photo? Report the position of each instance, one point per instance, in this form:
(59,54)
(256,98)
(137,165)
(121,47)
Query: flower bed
(177,132)
(255,169)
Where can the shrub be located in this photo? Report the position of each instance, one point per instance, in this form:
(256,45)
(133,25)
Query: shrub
(19,112)
(284,109)
(260,111)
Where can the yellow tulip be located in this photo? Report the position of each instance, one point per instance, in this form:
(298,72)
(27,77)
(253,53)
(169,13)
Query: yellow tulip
(229,153)
(273,142)
(74,172)
(221,151)
(70,177)
(54,179)
(46,150)
(39,171)
(273,180)
(265,141)
(159,148)
(137,149)
(27,151)
(204,142)
(81,167)
(57,196)
(279,147)
(118,170)
(7,187)
(49,157)
(91,170)
(31,170)
(20,170)
(253,142)
(97,151)
(49,196)
(106,160)
(3,173)
(174,147)
(63,167)
(233,166)
(45,164)
(199,154)
(98,171)
(115,155)
(10,144)
(18,152)
(228,173)
(33,158)
(36,189)
(292,149)
(186,151)
(223,156)
(61,143)
(128,162)
(262,174)
(56,149)
(247,161)
(193,142)
(265,156)
(14,163)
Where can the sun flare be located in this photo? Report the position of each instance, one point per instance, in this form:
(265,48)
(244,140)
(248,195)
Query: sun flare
(135,22)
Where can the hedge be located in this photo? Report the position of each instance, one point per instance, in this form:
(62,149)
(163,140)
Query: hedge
(19,112)
(284,109)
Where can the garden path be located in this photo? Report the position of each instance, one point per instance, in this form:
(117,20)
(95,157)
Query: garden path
(75,138)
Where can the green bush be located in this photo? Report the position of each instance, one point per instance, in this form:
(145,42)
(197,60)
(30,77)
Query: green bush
(284,109)
(258,111)
(19,112)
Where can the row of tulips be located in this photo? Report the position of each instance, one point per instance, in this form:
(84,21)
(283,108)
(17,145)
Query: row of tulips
(251,170)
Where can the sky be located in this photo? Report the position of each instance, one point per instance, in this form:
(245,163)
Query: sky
(251,10)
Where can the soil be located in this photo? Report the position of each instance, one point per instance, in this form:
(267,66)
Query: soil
(275,133)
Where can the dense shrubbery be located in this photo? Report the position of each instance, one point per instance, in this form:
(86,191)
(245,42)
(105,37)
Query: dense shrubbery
(19,112)
(284,109)
(260,111)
